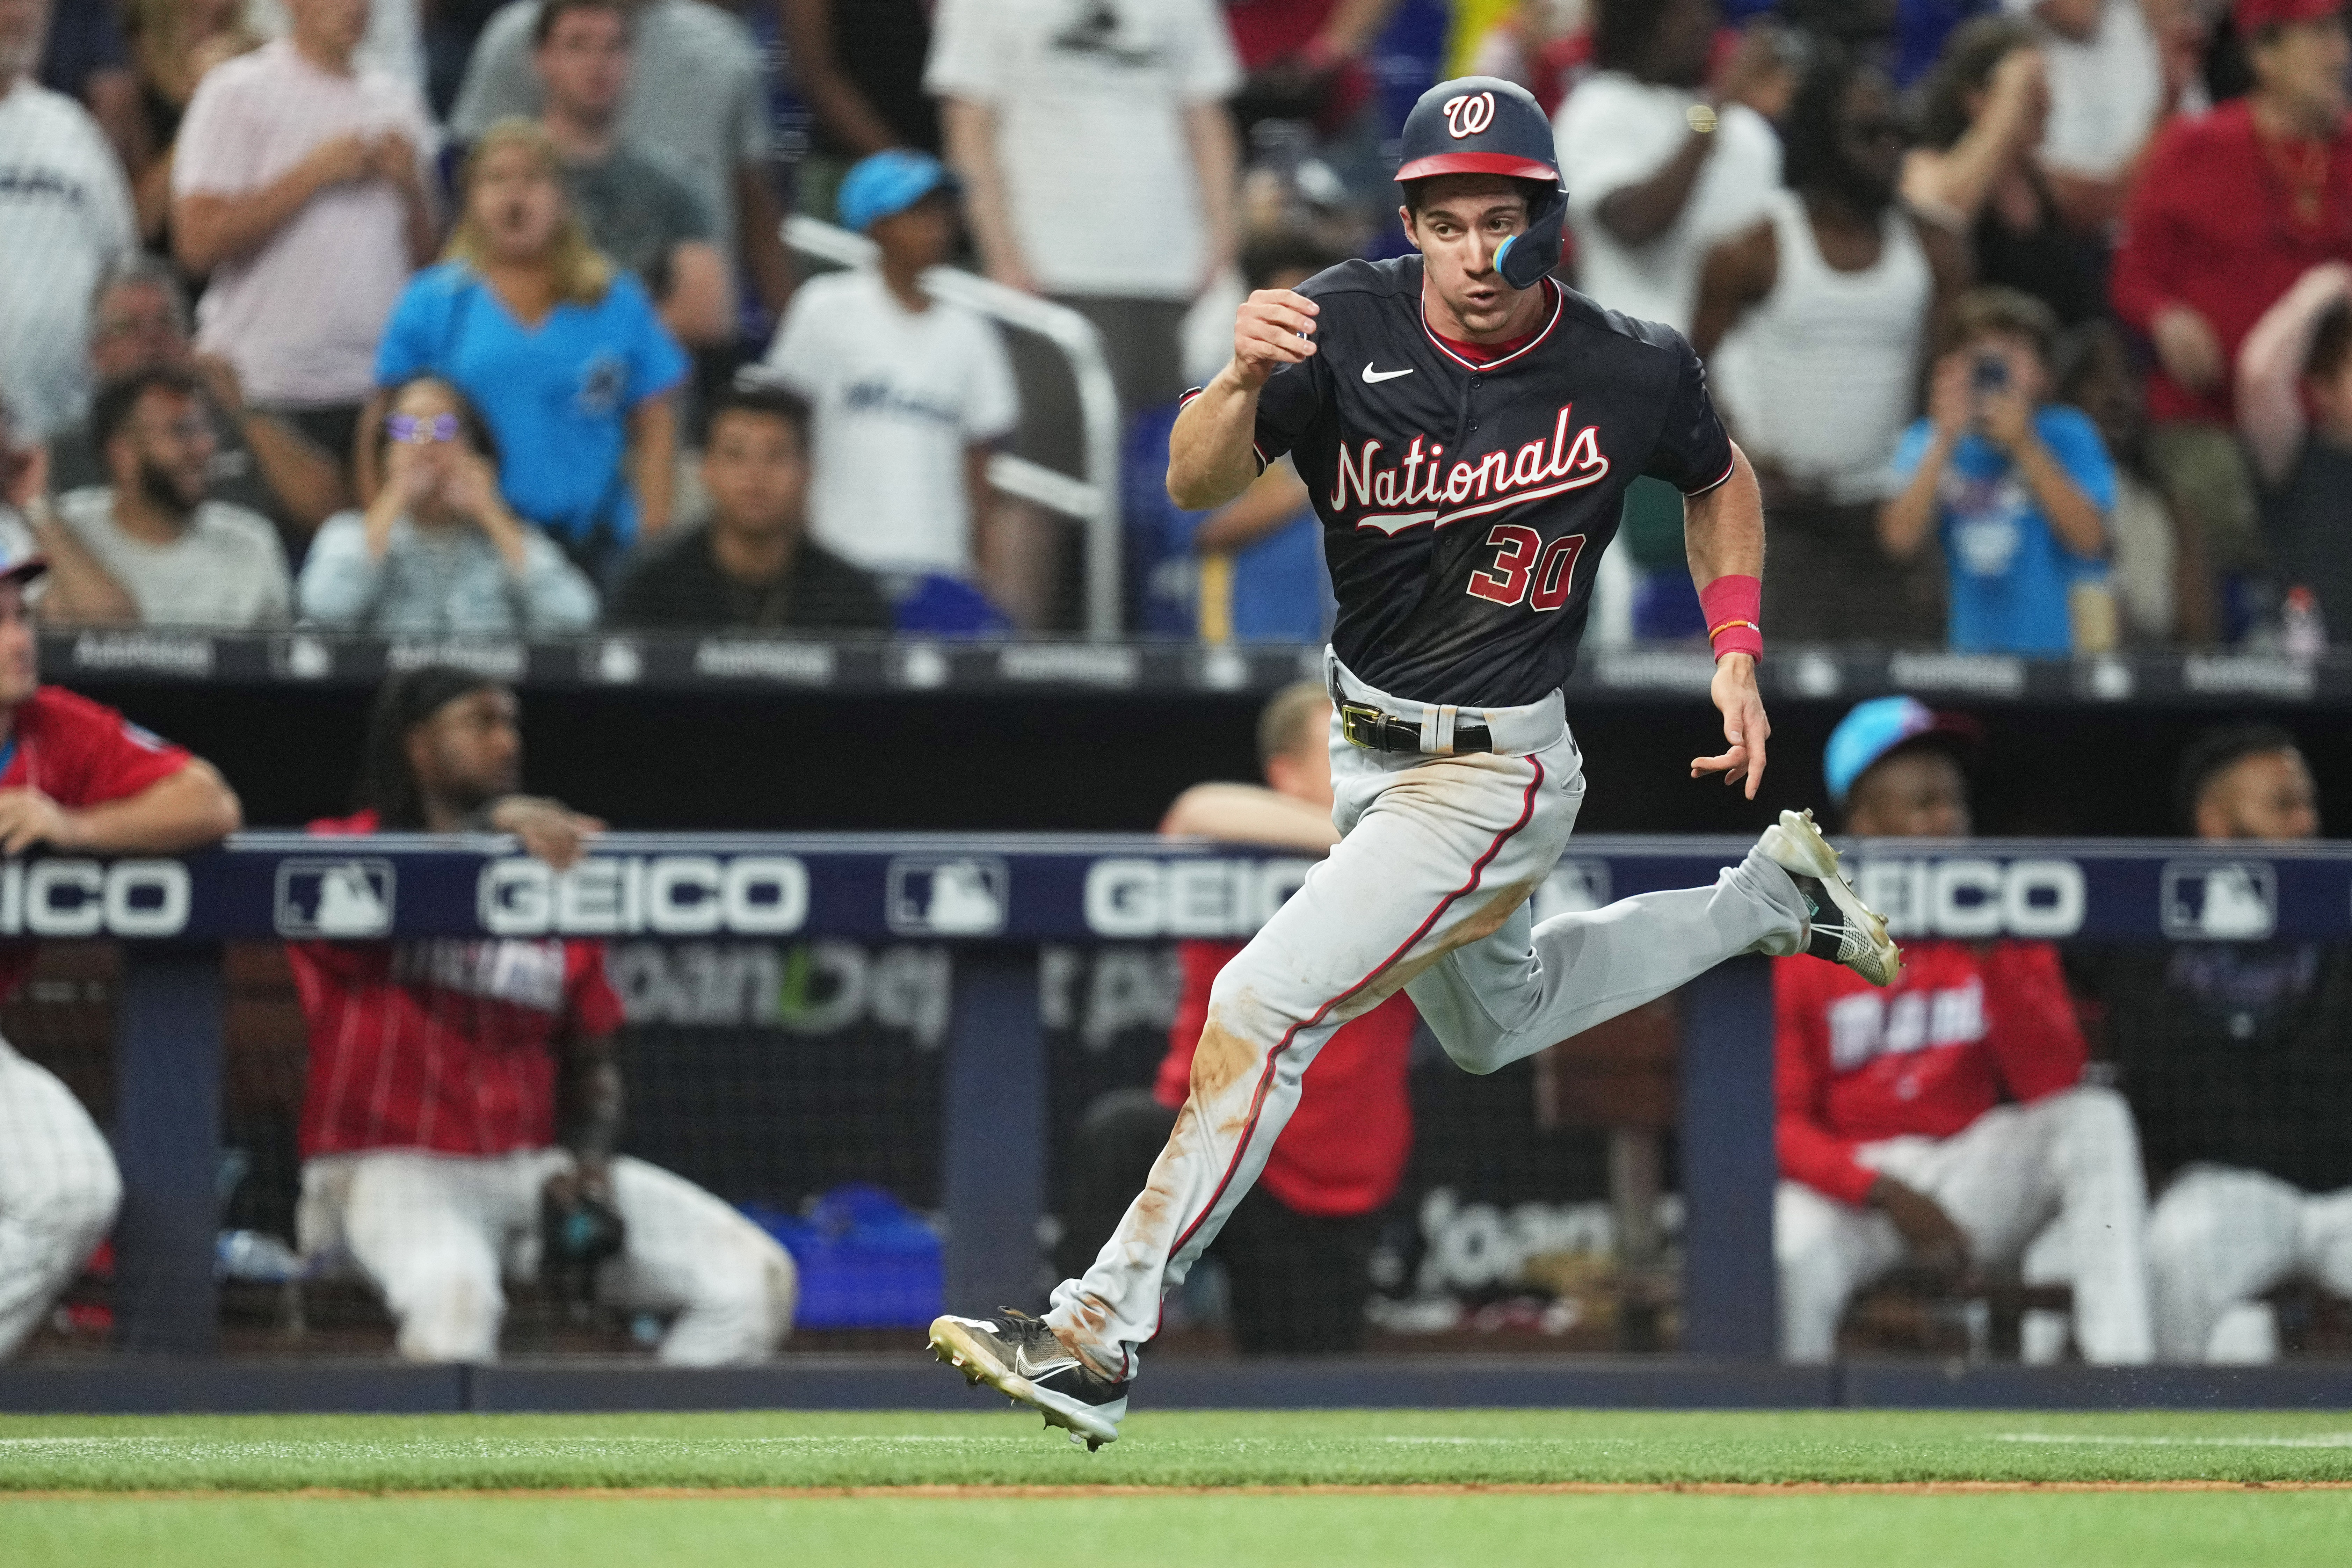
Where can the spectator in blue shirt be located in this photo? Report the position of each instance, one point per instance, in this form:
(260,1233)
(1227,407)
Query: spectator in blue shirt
(565,355)
(1262,577)
(2016,491)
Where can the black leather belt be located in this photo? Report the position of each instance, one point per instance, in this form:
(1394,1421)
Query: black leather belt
(1377,730)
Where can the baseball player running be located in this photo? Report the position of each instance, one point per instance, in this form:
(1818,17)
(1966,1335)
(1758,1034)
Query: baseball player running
(1468,428)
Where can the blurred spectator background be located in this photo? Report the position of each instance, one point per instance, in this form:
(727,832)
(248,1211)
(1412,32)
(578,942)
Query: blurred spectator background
(303,189)
(646,219)
(695,99)
(1815,320)
(749,564)
(910,393)
(438,552)
(1802,186)
(2015,492)
(64,219)
(171,553)
(564,356)
(140,322)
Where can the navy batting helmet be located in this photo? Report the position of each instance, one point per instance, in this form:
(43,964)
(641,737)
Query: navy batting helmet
(1484,125)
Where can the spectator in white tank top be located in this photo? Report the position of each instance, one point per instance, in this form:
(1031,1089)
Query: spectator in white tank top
(1813,323)
(1660,166)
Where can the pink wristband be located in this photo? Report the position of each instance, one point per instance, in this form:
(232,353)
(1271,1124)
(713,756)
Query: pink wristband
(1734,606)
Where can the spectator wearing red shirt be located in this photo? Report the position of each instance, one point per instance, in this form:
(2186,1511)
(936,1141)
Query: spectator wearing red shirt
(2230,210)
(1944,1118)
(1297,1253)
(80,780)
(440,1069)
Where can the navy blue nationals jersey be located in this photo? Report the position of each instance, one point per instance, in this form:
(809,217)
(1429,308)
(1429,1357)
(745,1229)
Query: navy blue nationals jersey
(1465,506)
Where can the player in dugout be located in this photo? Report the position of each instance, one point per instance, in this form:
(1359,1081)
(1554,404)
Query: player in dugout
(2233,1054)
(1298,1251)
(462,1120)
(1945,1119)
(76,779)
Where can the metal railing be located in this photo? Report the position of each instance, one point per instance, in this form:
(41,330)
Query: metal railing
(1092,498)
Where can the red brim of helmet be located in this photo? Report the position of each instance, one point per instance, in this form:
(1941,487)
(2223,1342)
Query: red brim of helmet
(1502,164)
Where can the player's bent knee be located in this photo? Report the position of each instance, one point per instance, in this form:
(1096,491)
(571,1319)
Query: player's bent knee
(1478,1052)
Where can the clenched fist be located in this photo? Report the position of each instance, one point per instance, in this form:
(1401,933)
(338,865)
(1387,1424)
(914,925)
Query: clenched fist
(1274,327)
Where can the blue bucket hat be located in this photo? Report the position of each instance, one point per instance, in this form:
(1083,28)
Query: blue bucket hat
(1879,726)
(887,185)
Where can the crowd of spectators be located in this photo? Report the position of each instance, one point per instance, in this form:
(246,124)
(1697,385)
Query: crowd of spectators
(2030,314)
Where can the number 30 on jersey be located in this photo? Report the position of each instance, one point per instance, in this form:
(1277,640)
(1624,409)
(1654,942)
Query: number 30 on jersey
(1526,569)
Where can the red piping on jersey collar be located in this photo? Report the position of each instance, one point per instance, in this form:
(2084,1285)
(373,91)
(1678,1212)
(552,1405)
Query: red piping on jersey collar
(1447,350)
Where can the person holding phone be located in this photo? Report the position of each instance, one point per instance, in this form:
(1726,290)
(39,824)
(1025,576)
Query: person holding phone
(2017,490)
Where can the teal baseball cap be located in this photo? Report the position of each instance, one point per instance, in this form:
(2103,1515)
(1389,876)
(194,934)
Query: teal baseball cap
(1881,725)
(887,184)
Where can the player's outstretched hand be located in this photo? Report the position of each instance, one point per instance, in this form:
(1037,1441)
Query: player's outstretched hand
(1745,728)
(1274,327)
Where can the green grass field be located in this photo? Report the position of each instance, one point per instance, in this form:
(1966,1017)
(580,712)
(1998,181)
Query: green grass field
(504,1490)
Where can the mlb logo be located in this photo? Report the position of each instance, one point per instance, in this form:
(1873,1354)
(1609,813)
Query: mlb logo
(1574,887)
(964,896)
(2229,901)
(334,900)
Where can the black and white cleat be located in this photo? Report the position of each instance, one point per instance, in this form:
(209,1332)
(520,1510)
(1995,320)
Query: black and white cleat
(1022,1359)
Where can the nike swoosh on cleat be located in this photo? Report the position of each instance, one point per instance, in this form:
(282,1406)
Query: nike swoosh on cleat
(1373,377)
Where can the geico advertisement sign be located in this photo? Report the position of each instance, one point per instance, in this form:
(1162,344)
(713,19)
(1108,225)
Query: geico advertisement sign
(1137,898)
(86,897)
(658,895)
(1962,897)
(1973,898)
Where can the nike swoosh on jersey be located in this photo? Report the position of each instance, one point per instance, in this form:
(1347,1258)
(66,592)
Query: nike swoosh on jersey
(1373,377)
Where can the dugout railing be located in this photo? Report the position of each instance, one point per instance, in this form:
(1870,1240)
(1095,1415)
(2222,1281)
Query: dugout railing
(995,904)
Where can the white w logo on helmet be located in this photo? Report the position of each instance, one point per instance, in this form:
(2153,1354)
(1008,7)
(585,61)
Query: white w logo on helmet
(1469,114)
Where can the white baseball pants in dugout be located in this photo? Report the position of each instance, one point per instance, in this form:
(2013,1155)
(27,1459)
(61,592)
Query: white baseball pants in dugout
(436,1234)
(1427,890)
(2220,1237)
(59,1192)
(2057,1184)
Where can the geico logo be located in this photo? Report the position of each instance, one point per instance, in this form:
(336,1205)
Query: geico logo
(83,897)
(665,895)
(1975,899)
(1188,896)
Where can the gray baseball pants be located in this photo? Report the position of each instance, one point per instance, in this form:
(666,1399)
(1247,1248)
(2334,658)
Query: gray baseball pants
(1428,892)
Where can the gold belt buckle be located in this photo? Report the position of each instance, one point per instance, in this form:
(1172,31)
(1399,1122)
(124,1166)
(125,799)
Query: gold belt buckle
(1359,725)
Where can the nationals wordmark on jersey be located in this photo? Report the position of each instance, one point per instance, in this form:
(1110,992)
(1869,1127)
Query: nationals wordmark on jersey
(1466,498)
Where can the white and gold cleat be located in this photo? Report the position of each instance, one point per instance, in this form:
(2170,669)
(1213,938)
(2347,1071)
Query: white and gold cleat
(1838,926)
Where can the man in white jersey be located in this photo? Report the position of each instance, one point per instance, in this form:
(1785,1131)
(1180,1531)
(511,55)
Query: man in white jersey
(65,221)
